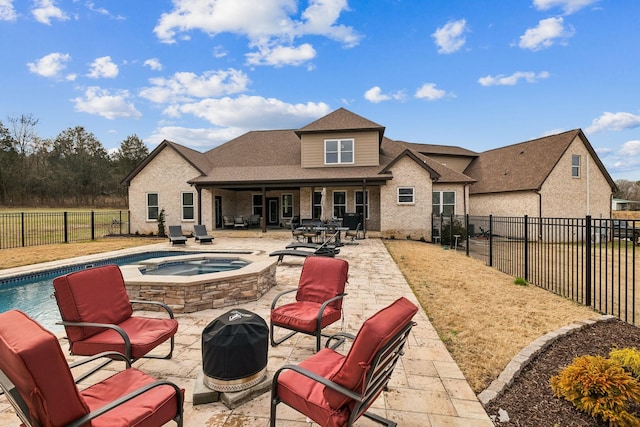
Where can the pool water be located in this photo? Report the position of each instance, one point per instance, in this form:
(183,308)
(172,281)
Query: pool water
(33,293)
(192,268)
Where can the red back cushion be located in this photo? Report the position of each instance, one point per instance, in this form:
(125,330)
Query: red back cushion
(374,334)
(93,295)
(30,356)
(322,278)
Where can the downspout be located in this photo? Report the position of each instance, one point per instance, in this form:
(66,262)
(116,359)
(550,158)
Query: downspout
(539,215)
(199,193)
(588,188)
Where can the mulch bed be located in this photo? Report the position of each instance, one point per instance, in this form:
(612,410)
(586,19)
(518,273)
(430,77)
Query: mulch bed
(529,401)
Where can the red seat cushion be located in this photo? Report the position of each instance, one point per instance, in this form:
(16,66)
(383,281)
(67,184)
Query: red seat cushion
(31,357)
(375,332)
(152,408)
(321,279)
(306,395)
(303,316)
(94,295)
(144,333)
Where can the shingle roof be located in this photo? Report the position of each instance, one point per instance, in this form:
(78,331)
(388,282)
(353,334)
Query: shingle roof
(449,150)
(340,119)
(524,166)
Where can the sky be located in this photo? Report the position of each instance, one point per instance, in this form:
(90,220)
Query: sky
(478,74)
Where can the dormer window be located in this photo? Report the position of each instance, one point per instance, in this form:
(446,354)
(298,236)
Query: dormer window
(338,151)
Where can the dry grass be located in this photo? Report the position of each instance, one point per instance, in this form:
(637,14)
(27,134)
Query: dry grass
(481,315)
(17,257)
(483,318)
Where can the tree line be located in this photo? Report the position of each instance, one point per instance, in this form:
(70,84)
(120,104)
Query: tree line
(72,169)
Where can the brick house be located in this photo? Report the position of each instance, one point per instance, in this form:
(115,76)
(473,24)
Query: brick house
(394,187)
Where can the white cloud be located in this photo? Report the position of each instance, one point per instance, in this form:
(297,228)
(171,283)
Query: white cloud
(50,65)
(184,86)
(375,95)
(206,138)
(568,6)
(450,37)
(251,112)
(154,64)
(7,12)
(103,103)
(614,121)
(46,10)
(545,34)
(103,67)
(267,23)
(282,55)
(502,80)
(630,148)
(428,91)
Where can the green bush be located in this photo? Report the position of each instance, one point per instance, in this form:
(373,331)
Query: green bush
(599,387)
(520,281)
(449,232)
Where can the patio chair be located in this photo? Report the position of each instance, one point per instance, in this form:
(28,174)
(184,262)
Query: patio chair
(318,300)
(310,249)
(254,221)
(336,390)
(296,233)
(98,316)
(176,236)
(201,235)
(239,222)
(353,234)
(227,222)
(40,386)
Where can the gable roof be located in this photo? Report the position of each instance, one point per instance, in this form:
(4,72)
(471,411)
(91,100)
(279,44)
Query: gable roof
(341,120)
(196,159)
(447,150)
(525,166)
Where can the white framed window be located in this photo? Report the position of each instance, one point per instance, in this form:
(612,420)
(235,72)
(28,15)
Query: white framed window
(287,205)
(339,204)
(188,206)
(361,203)
(256,202)
(444,203)
(338,151)
(575,166)
(406,195)
(153,206)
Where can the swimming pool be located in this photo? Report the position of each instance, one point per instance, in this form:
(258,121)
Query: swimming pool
(33,292)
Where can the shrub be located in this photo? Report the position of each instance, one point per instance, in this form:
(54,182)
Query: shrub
(599,387)
(628,358)
(449,231)
(520,281)
(160,221)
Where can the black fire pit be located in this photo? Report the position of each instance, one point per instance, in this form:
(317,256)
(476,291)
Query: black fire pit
(234,351)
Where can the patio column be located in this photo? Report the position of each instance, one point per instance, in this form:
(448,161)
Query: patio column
(264,206)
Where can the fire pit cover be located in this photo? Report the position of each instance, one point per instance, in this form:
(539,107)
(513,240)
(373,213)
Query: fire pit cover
(234,351)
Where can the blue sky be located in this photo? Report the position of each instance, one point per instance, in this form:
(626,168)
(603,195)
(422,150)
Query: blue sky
(479,74)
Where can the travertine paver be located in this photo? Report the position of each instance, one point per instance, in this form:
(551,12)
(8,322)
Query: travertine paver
(427,388)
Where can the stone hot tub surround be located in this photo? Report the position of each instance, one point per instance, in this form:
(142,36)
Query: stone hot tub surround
(187,294)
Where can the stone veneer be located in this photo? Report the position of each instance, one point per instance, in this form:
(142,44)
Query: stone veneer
(187,294)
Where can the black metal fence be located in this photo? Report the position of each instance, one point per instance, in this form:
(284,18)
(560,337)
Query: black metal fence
(591,261)
(44,228)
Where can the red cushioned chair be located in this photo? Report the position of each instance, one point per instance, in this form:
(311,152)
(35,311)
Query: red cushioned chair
(318,301)
(335,390)
(38,382)
(98,316)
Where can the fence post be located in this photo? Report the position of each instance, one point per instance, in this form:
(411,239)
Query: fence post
(466,227)
(22,227)
(588,263)
(490,241)
(93,228)
(526,248)
(66,228)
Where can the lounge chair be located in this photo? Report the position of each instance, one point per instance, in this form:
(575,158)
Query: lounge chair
(227,222)
(336,390)
(98,316)
(309,249)
(176,236)
(39,384)
(354,234)
(253,221)
(239,222)
(318,301)
(201,235)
